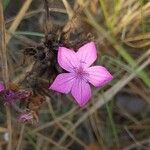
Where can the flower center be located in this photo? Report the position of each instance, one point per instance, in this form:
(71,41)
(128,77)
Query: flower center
(80,73)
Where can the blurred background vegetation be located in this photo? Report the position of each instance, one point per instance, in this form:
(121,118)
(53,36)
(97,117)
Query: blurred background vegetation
(118,116)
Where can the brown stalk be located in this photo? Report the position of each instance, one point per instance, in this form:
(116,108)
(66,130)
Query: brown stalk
(17,20)
(68,9)
(5,73)
(3,55)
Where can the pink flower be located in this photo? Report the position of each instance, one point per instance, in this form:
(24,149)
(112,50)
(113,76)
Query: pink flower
(25,117)
(80,74)
(9,96)
(1,87)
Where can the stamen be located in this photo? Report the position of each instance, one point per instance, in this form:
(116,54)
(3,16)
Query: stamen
(81,73)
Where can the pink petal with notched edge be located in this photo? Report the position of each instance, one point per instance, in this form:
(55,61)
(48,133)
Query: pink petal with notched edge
(98,75)
(63,83)
(81,91)
(87,54)
(67,59)
(1,87)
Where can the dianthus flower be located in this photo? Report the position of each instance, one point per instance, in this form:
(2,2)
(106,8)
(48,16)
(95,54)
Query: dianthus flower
(80,73)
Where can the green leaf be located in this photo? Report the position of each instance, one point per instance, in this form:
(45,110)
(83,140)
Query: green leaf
(5,3)
(29,33)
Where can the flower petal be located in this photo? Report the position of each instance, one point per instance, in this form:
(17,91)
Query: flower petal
(98,76)
(81,91)
(63,83)
(87,54)
(67,59)
(2,87)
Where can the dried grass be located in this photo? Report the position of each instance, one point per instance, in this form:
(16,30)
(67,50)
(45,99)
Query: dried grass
(119,28)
